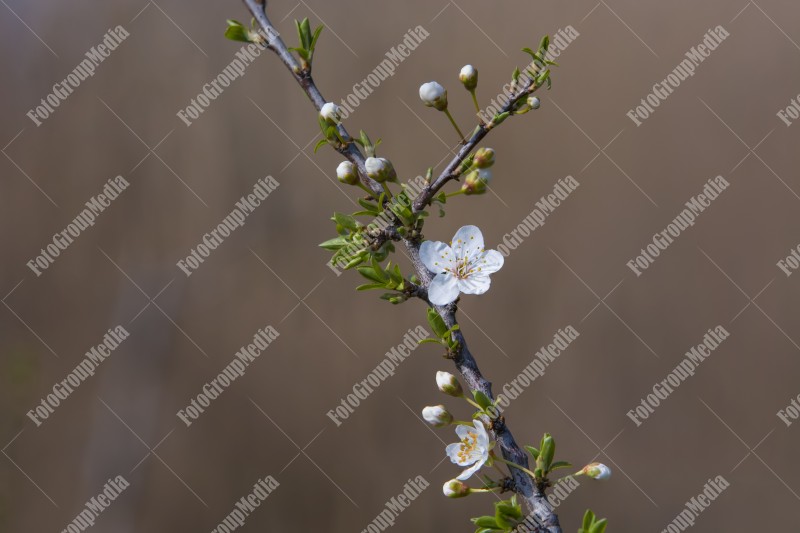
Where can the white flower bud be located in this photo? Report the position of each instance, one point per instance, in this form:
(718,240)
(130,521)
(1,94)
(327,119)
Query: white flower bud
(433,95)
(380,169)
(437,416)
(455,489)
(448,384)
(534,102)
(469,77)
(596,471)
(346,173)
(330,112)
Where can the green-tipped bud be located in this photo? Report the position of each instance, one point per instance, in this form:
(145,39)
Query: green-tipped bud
(455,489)
(437,416)
(484,158)
(448,384)
(469,77)
(346,173)
(380,169)
(476,181)
(596,471)
(534,102)
(433,95)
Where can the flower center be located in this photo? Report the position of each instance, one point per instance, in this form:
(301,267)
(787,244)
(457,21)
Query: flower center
(463,269)
(468,445)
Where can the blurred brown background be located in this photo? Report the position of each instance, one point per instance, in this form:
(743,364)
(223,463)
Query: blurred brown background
(572,271)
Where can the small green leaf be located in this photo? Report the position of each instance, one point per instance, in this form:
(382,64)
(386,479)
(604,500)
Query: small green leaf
(370,286)
(548,452)
(314,39)
(370,274)
(305,33)
(369,206)
(428,341)
(559,464)
(533,451)
(599,526)
(346,221)
(481,399)
(485,521)
(334,244)
(437,323)
(320,144)
(543,77)
(544,44)
(588,519)
(237,33)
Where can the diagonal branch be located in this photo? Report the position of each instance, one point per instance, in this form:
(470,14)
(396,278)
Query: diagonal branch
(534,495)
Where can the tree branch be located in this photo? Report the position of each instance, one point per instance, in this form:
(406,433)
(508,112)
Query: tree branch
(534,496)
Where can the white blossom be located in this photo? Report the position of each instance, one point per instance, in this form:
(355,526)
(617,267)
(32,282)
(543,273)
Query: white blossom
(464,266)
(473,449)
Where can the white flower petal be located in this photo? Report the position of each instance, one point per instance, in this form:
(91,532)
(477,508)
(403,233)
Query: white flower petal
(477,283)
(443,289)
(469,471)
(436,256)
(463,431)
(489,262)
(452,452)
(468,242)
(483,437)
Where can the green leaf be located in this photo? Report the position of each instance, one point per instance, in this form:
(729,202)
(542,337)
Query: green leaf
(370,286)
(370,274)
(533,451)
(346,221)
(548,452)
(305,33)
(559,464)
(503,520)
(543,77)
(369,206)
(481,399)
(485,521)
(544,44)
(599,526)
(334,244)
(302,52)
(428,341)
(320,144)
(437,323)
(378,269)
(237,33)
(588,519)
(314,39)
(509,509)
(500,117)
